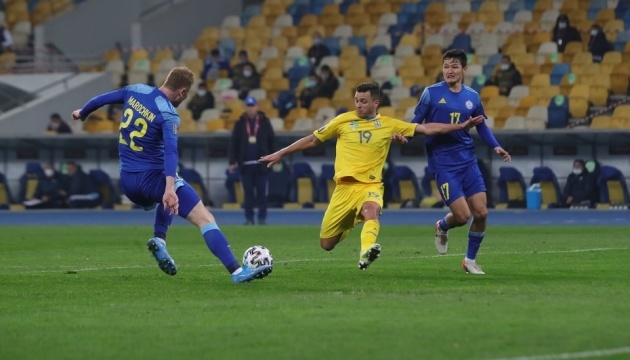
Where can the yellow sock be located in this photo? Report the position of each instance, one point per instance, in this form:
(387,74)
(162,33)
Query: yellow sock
(369,234)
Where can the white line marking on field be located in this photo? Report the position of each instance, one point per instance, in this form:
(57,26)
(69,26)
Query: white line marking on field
(576,355)
(66,268)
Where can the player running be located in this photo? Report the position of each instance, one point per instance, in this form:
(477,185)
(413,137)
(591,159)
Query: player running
(363,141)
(147,146)
(452,156)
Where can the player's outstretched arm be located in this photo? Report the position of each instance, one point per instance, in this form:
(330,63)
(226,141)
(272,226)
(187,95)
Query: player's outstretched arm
(438,128)
(304,143)
(114,97)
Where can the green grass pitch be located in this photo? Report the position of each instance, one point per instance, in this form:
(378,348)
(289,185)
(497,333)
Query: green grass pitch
(95,293)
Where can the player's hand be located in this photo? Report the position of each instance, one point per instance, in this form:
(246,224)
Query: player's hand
(170,202)
(399,139)
(271,159)
(501,152)
(76,115)
(473,121)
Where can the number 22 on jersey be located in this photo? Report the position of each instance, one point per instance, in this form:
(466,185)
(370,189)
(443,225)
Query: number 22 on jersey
(138,122)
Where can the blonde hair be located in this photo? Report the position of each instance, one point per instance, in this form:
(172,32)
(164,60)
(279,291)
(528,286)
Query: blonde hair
(179,77)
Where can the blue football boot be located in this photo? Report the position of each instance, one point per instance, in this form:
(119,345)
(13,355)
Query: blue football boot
(247,274)
(157,247)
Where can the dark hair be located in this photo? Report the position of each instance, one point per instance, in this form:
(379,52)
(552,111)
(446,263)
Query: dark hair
(372,87)
(55,116)
(456,54)
(215,52)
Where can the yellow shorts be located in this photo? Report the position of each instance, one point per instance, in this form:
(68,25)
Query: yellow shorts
(344,210)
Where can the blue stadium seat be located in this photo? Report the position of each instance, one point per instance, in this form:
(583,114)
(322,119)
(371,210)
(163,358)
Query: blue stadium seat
(549,186)
(621,40)
(612,186)
(360,42)
(233,187)
(558,112)
(109,196)
(318,5)
(227,47)
(594,6)
(513,8)
(428,182)
(279,185)
(475,5)
(297,11)
(332,42)
(301,68)
(194,179)
(558,71)
(325,182)
(303,185)
(395,32)
(529,4)
(622,9)
(511,188)
(5,194)
(374,53)
(404,185)
(285,101)
(29,180)
(462,41)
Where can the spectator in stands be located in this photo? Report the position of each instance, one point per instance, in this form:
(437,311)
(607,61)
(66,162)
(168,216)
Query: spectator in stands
(202,100)
(318,50)
(6,39)
(57,125)
(598,45)
(563,33)
(385,100)
(246,80)
(252,137)
(49,193)
(213,65)
(506,77)
(580,186)
(81,188)
(310,90)
(243,60)
(329,82)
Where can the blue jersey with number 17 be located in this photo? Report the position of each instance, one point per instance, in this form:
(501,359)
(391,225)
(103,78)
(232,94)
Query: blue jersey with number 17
(438,104)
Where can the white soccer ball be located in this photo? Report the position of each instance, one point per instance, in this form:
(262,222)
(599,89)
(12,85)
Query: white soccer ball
(257,256)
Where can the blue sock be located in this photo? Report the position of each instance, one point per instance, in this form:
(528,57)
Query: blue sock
(219,246)
(474,242)
(162,222)
(443,225)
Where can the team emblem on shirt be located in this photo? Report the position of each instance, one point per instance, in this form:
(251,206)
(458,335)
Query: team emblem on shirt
(354,125)
(377,124)
(469,105)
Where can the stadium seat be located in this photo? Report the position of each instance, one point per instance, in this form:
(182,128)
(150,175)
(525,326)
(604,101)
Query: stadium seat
(549,186)
(108,194)
(5,193)
(612,186)
(558,71)
(558,112)
(430,191)
(303,185)
(234,190)
(511,188)
(405,188)
(29,180)
(325,183)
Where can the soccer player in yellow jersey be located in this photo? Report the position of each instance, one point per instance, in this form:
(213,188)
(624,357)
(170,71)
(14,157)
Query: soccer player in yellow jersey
(363,141)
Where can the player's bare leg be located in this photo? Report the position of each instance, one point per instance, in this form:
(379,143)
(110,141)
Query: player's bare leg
(370,250)
(479,209)
(459,215)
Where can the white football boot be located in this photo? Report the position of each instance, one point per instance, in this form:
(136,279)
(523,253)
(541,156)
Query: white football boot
(471,267)
(441,239)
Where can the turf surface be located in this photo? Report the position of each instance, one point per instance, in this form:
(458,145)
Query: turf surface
(95,293)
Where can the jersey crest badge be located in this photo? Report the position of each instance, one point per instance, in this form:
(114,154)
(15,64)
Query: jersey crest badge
(442,101)
(377,123)
(469,105)
(354,125)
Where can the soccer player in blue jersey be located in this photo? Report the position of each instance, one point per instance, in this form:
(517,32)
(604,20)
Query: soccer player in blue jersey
(147,146)
(452,156)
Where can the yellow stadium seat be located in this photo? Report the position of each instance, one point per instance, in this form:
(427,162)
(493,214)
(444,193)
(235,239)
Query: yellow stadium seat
(598,95)
(488,92)
(600,122)
(578,100)
(612,28)
(572,48)
(524,104)
(619,79)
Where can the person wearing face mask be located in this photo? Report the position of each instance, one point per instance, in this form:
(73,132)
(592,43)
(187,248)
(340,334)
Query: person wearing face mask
(598,44)
(243,60)
(49,193)
(329,83)
(57,125)
(580,186)
(563,33)
(506,77)
(310,90)
(247,80)
(202,100)
(318,50)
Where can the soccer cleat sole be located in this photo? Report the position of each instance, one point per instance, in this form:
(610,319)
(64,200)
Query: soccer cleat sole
(441,245)
(373,253)
(166,264)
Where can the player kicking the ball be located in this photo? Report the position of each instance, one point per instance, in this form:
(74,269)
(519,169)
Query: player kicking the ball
(147,145)
(363,141)
(452,156)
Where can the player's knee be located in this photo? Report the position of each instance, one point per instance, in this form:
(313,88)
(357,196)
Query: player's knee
(480,214)
(461,218)
(327,244)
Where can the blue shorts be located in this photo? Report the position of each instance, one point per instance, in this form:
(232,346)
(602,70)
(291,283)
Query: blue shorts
(146,189)
(466,182)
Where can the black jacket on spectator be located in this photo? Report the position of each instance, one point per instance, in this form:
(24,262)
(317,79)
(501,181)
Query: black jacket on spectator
(598,45)
(564,36)
(49,188)
(265,139)
(580,187)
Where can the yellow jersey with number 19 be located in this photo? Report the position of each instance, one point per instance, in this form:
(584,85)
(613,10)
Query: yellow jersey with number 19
(362,144)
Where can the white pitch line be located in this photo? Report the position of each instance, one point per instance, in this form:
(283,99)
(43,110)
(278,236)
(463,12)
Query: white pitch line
(70,268)
(576,355)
